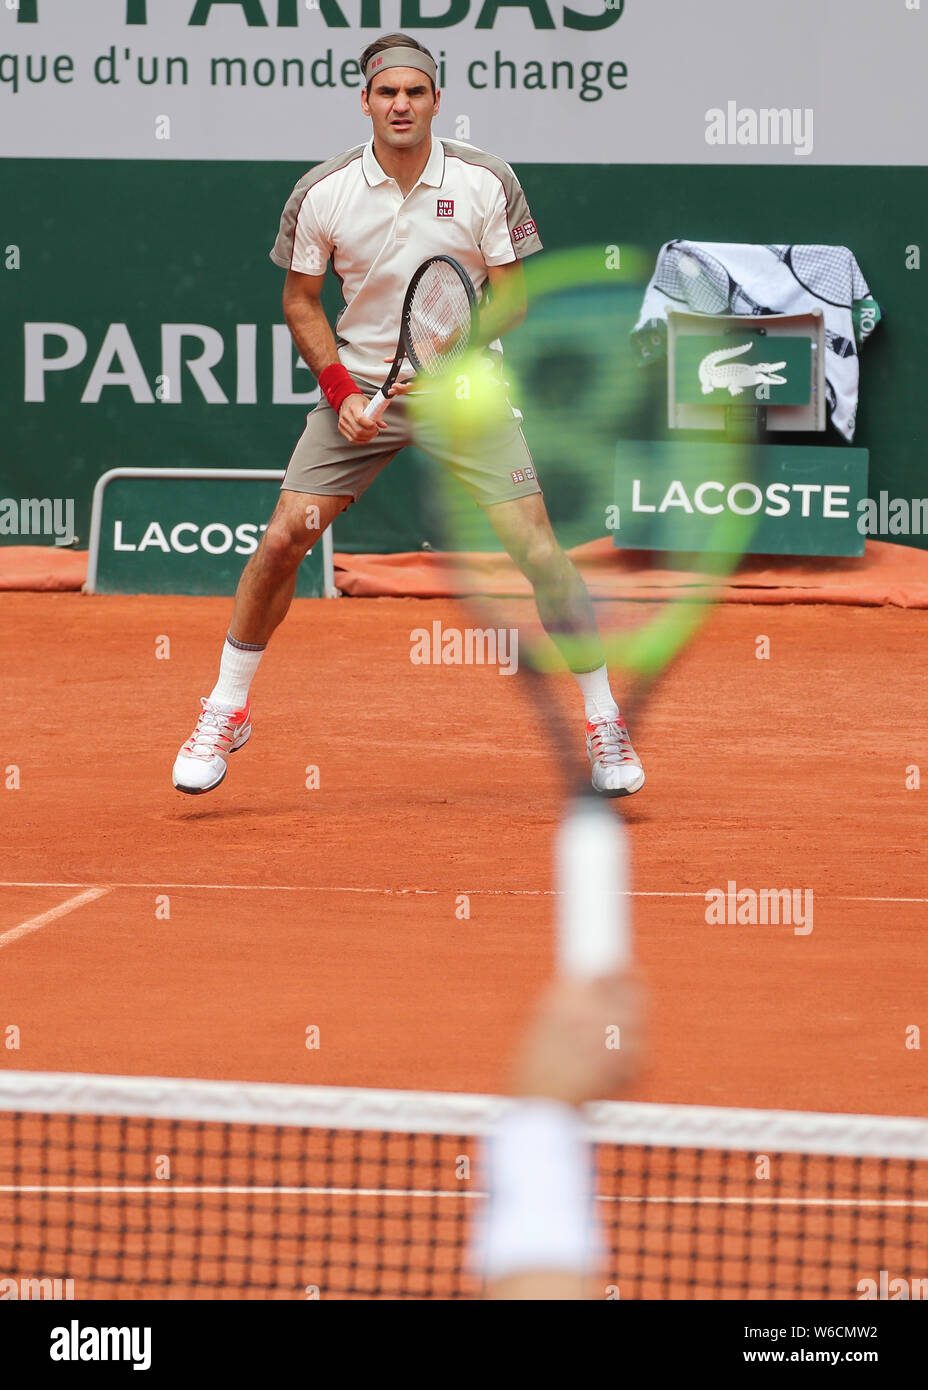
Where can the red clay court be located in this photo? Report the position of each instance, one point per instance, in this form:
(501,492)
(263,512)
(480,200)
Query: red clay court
(341,907)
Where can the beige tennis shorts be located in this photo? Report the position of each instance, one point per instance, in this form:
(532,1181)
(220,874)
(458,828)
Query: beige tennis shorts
(325,462)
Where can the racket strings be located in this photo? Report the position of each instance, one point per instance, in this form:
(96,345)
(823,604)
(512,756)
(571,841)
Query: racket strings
(439,319)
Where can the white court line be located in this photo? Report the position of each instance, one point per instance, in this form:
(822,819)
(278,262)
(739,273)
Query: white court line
(424,892)
(36,923)
(165,1188)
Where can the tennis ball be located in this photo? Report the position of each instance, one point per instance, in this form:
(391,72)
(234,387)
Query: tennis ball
(466,405)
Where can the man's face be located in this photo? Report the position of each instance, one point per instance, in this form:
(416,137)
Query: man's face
(401,106)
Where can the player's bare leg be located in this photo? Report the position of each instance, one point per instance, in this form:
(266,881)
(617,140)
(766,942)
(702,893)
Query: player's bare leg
(266,587)
(566,609)
(264,594)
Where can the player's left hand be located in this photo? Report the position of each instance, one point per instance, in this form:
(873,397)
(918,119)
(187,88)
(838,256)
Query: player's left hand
(399,388)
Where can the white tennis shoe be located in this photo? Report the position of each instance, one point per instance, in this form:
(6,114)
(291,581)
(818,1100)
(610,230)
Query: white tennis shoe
(201,763)
(617,769)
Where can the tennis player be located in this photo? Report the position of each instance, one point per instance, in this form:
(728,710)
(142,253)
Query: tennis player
(377,212)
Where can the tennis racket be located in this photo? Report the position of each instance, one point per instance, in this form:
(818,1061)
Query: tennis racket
(436,326)
(590,415)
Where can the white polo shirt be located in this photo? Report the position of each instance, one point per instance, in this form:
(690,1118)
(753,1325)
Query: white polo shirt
(467,204)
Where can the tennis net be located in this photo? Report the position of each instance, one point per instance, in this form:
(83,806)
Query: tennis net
(134,1187)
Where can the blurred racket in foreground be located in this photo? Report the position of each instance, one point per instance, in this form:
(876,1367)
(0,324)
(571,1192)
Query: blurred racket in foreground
(590,415)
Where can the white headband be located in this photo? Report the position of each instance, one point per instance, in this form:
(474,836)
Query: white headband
(401,58)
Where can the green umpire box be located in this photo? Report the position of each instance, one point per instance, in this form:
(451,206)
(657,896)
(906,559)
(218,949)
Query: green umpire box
(797,499)
(188,531)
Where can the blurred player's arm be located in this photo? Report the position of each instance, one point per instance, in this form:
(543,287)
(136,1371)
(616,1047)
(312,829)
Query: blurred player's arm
(541,1235)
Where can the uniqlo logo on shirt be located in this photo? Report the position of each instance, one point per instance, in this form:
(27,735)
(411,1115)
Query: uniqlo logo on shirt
(527,229)
(517,476)
(445,207)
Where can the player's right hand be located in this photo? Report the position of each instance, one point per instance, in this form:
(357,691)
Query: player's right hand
(354,424)
(585,1041)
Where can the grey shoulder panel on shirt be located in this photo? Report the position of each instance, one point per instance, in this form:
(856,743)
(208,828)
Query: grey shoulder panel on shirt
(459,149)
(282,252)
(522,229)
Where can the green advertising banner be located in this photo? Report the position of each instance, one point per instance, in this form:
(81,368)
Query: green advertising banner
(744,366)
(187,531)
(803,500)
(85,357)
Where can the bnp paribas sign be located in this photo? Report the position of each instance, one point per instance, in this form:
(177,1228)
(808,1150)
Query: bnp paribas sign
(286,14)
(544,81)
(280,79)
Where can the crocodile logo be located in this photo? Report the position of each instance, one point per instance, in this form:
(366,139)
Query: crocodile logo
(718,373)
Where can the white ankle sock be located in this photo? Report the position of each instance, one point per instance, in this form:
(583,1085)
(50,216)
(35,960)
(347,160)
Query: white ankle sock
(236,672)
(597,696)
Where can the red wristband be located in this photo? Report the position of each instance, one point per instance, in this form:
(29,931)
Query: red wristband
(337,384)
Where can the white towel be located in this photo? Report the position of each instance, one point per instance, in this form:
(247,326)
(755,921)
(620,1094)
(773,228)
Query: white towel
(721,277)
